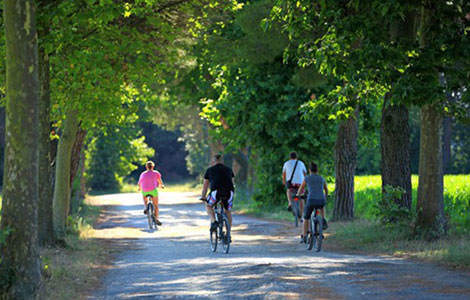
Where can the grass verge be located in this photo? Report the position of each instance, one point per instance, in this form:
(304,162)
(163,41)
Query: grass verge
(371,237)
(73,271)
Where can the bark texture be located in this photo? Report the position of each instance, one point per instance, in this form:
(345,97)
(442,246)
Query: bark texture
(74,167)
(345,161)
(20,265)
(430,189)
(395,149)
(76,153)
(446,144)
(61,198)
(46,227)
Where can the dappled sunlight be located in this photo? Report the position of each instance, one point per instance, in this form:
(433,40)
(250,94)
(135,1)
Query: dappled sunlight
(265,261)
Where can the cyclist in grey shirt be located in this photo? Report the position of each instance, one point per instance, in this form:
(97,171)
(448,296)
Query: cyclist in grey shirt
(317,194)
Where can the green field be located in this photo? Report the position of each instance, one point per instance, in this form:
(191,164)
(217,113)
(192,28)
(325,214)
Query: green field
(456,199)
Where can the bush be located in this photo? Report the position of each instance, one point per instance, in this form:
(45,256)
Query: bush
(389,212)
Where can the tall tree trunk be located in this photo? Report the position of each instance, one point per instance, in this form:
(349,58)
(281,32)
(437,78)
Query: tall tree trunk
(345,161)
(395,148)
(74,166)
(62,174)
(446,145)
(430,204)
(46,227)
(20,273)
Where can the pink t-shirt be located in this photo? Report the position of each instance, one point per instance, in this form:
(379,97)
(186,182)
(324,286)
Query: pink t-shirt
(148,180)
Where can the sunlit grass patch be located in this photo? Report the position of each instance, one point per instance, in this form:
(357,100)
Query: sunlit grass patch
(73,270)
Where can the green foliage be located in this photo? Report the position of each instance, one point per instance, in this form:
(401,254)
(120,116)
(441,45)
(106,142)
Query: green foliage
(252,100)
(273,127)
(390,213)
(372,47)
(113,155)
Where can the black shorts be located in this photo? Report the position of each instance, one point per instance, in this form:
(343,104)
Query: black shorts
(226,198)
(311,205)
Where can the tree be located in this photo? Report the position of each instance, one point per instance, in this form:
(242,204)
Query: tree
(20,266)
(104,56)
(395,150)
(345,166)
(355,42)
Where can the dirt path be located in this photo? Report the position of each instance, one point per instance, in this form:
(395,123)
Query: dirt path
(266,261)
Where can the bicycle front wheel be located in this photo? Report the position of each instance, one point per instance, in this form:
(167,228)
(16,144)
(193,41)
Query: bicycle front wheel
(310,234)
(318,237)
(226,239)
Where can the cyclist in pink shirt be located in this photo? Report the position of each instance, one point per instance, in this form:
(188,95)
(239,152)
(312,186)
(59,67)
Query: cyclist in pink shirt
(149,181)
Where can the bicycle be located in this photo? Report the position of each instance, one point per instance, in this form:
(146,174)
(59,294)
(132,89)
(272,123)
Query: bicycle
(222,232)
(150,213)
(296,206)
(315,234)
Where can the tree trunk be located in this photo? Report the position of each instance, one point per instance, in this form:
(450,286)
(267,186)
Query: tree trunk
(395,148)
(20,273)
(446,145)
(46,227)
(345,161)
(62,174)
(74,166)
(430,204)
(76,153)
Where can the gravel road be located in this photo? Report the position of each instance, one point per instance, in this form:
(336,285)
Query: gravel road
(266,261)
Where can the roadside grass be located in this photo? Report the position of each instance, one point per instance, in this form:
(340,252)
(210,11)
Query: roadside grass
(368,236)
(72,271)
(371,237)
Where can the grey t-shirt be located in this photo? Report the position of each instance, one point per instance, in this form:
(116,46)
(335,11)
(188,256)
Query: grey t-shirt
(315,187)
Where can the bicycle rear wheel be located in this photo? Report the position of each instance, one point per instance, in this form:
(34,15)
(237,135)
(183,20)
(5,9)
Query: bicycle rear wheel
(296,212)
(310,234)
(214,237)
(318,237)
(226,235)
(150,214)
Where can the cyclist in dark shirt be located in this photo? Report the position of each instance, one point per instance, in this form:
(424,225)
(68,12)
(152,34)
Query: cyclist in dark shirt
(220,180)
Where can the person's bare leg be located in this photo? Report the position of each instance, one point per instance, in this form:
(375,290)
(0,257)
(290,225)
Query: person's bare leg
(229,217)
(305,227)
(210,212)
(289,197)
(145,203)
